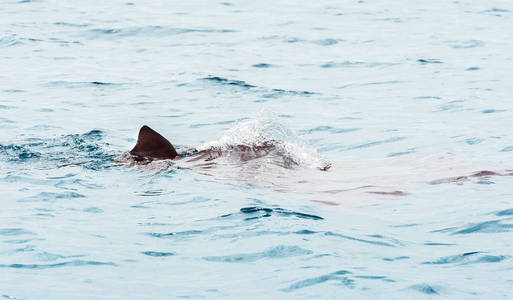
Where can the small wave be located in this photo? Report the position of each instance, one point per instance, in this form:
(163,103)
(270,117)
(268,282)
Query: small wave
(490,111)
(372,144)
(100,83)
(357,64)
(10,41)
(66,24)
(326,42)
(73,263)
(396,258)
(94,210)
(47,256)
(505,212)
(198,125)
(329,129)
(186,233)
(473,141)
(305,231)
(486,227)
(230,82)
(19,241)
(498,12)
(273,253)
(453,106)
(152,193)
(146,31)
(15,232)
(338,276)
(51,197)
(395,154)
(381,82)
(157,254)
(293,40)
(378,243)
(78,84)
(264,212)
(289,92)
(428,98)
(460,258)
(425,61)
(426,289)
(465,44)
(438,244)
(263,66)
(267,93)
(12,91)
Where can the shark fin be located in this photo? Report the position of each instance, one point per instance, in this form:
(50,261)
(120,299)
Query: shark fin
(150,144)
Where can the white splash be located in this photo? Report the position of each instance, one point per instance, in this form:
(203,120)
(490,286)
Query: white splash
(261,133)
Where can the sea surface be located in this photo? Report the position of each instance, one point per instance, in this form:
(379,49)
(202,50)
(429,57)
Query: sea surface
(340,82)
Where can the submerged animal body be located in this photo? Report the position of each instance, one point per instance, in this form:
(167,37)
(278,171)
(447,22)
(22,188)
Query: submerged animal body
(269,164)
(152,146)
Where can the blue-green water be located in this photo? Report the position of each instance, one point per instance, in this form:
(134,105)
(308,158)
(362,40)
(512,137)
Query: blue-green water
(351,81)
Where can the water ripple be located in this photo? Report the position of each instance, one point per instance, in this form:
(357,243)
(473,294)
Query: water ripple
(354,64)
(460,258)
(51,197)
(263,66)
(326,42)
(335,276)
(146,31)
(82,84)
(505,212)
(66,24)
(267,93)
(264,212)
(94,210)
(14,231)
(486,227)
(18,153)
(171,234)
(274,253)
(73,263)
(157,254)
(378,243)
(376,143)
(425,61)
(425,288)
(465,44)
(329,129)
(229,82)
(87,150)
(10,41)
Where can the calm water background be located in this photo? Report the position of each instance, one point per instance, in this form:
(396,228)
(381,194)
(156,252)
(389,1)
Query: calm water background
(353,80)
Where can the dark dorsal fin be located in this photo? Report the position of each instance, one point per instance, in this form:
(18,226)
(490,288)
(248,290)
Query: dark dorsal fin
(151,144)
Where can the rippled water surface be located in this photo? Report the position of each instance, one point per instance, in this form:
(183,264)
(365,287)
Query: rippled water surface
(360,83)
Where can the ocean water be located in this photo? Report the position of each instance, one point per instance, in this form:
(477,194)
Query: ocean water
(380,90)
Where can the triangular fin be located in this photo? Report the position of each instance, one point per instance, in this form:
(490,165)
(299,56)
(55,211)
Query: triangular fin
(150,144)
